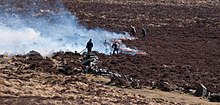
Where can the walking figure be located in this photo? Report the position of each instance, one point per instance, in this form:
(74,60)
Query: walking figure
(115,48)
(89,45)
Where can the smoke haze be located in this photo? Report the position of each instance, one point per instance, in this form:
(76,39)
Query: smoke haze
(46,27)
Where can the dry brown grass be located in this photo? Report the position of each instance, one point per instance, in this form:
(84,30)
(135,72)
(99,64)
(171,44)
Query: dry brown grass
(29,87)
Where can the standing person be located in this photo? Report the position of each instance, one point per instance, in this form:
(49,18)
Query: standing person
(89,45)
(107,45)
(144,33)
(115,48)
(133,30)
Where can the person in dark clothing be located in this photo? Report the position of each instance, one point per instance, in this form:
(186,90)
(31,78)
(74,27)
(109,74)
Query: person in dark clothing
(115,48)
(133,30)
(89,45)
(144,33)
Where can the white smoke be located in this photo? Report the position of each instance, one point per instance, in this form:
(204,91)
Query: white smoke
(46,27)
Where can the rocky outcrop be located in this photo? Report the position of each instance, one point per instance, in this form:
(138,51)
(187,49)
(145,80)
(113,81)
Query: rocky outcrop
(117,79)
(201,91)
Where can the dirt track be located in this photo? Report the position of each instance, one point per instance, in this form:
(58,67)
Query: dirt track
(183,45)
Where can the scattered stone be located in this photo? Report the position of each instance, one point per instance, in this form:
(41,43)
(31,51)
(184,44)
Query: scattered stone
(68,70)
(136,84)
(87,62)
(120,82)
(58,56)
(90,60)
(164,85)
(179,89)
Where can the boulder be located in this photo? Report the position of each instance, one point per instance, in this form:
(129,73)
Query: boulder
(201,91)
(33,53)
(69,53)
(87,62)
(2,56)
(214,97)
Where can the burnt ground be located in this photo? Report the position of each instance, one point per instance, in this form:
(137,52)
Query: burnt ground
(182,45)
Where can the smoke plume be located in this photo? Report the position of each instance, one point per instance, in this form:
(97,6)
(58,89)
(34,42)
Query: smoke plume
(46,26)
